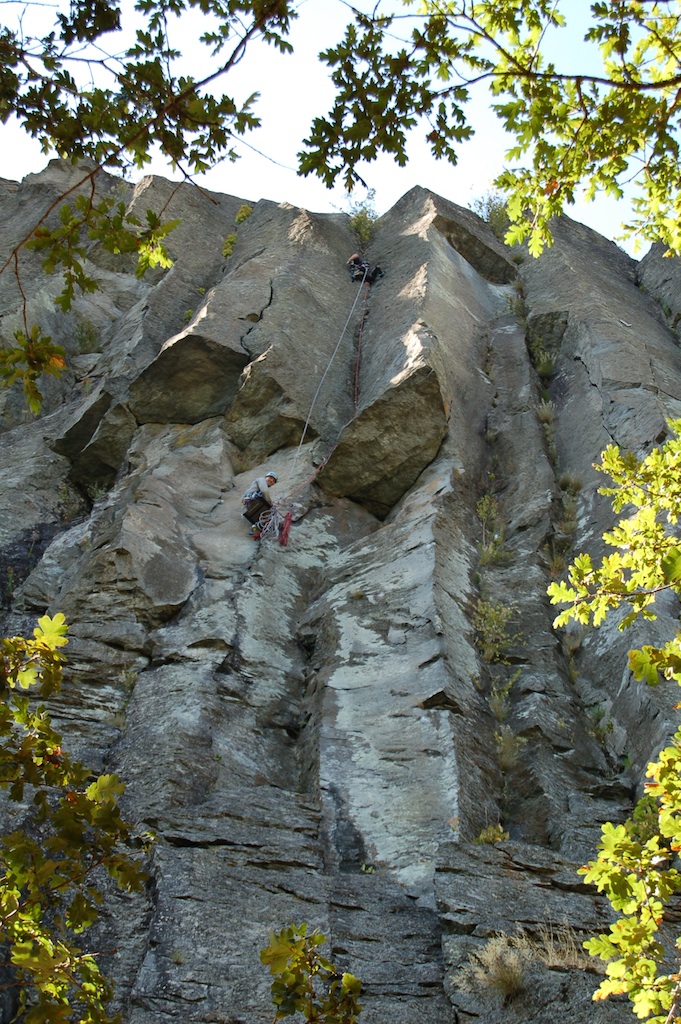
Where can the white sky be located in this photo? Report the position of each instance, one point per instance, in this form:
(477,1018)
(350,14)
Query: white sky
(293,90)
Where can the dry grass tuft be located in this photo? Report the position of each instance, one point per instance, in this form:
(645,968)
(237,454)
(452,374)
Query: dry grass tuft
(546,411)
(503,964)
(499,967)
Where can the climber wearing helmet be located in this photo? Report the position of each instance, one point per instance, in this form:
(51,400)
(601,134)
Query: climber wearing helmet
(257,499)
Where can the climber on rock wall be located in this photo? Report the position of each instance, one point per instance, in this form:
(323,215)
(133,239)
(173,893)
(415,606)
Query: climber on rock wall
(257,499)
(360,270)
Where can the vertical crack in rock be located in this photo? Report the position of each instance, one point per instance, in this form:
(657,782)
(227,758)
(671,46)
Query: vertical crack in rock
(255,318)
(541,720)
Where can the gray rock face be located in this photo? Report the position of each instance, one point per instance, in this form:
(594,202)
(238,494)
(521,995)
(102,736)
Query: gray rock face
(319,731)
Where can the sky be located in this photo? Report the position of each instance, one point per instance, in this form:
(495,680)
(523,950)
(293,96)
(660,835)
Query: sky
(293,90)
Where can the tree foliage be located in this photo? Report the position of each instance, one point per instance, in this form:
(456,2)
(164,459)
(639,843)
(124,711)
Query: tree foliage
(135,100)
(32,355)
(597,115)
(305,982)
(637,865)
(646,559)
(52,865)
(641,879)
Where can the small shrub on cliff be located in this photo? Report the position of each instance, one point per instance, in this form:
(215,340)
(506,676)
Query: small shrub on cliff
(508,747)
(487,511)
(228,244)
(496,551)
(491,207)
(305,982)
(498,968)
(567,524)
(499,698)
(493,548)
(516,306)
(243,213)
(556,560)
(540,359)
(560,946)
(546,411)
(491,622)
(502,965)
(551,447)
(570,482)
(492,834)
(363,216)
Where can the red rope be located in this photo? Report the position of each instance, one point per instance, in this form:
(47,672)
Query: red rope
(285,528)
(288,518)
(359,346)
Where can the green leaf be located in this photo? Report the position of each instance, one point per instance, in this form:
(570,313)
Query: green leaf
(671,566)
(52,630)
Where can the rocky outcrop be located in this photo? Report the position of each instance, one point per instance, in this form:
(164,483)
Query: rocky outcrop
(321,731)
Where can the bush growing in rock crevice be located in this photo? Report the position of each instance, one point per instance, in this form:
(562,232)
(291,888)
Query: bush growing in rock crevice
(243,213)
(493,638)
(363,217)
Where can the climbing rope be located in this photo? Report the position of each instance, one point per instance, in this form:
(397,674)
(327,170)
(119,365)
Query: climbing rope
(276,525)
(269,523)
(288,518)
(355,395)
(328,367)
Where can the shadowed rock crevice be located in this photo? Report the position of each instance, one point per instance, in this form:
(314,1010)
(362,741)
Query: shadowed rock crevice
(473,240)
(255,318)
(97,464)
(160,394)
(530,702)
(262,419)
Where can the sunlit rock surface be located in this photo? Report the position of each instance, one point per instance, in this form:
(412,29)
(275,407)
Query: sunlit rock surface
(318,732)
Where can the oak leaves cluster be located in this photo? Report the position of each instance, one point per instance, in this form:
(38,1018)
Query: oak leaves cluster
(638,869)
(54,861)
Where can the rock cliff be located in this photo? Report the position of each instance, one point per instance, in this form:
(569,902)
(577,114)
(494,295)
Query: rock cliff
(318,732)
